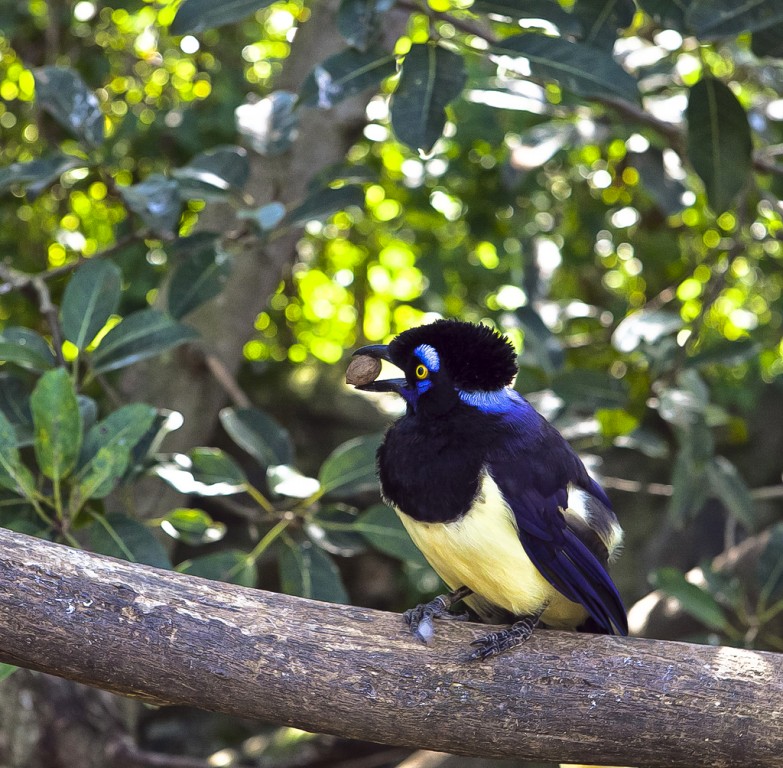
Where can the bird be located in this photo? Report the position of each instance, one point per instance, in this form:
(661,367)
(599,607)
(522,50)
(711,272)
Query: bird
(492,494)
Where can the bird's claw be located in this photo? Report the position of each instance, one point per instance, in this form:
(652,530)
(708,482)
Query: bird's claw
(421,618)
(498,642)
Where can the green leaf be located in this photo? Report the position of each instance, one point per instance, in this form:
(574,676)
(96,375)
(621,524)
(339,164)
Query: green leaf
(192,526)
(203,471)
(710,19)
(585,71)
(665,191)
(90,298)
(719,141)
(199,278)
(271,125)
(143,334)
(768,42)
(646,441)
(547,10)
(694,600)
(117,535)
(769,569)
(351,467)
(690,489)
(215,174)
(727,485)
(540,343)
(36,175)
(6,670)
(157,201)
(333,528)
(195,16)
(383,529)
(258,434)
(590,389)
(320,205)
(57,422)
(668,14)
(231,566)
(357,21)
(13,474)
(26,348)
(615,422)
(602,19)
(62,93)
(307,571)
(430,78)
(345,74)
(15,405)
(726,352)
(106,452)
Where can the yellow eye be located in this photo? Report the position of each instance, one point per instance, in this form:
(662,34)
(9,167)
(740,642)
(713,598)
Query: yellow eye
(421,372)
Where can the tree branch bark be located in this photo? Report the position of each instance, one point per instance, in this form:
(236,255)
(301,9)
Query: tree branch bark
(171,638)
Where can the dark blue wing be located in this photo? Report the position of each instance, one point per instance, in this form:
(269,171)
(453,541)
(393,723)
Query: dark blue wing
(533,476)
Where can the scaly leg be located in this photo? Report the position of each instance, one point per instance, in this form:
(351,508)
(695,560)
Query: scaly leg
(497,642)
(420,619)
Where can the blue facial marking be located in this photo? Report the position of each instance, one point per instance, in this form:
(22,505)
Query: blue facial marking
(499,401)
(428,356)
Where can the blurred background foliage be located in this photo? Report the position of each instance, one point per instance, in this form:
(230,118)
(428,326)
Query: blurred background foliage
(603,186)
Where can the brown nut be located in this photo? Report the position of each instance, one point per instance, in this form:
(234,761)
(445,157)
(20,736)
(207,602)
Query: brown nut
(362,370)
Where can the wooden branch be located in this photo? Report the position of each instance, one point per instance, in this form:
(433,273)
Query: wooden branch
(171,638)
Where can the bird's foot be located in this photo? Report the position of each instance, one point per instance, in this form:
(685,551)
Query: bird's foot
(420,619)
(497,642)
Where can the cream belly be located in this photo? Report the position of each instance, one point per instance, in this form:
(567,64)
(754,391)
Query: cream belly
(482,551)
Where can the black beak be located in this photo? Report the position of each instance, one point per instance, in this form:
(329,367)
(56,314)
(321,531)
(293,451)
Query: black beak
(380,352)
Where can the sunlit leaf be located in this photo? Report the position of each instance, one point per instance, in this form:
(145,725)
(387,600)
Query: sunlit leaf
(195,16)
(91,296)
(120,536)
(578,68)
(157,201)
(602,19)
(215,174)
(27,349)
(719,141)
(345,74)
(323,203)
(382,528)
(63,94)
(258,434)
(199,277)
(229,565)
(645,326)
(696,601)
(204,472)
(284,480)
(141,335)
(430,78)
(192,526)
(351,467)
(719,18)
(57,423)
(727,485)
(36,175)
(547,10)
(307,571)
(270,125)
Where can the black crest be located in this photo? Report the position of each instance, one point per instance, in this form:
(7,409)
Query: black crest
(477,357)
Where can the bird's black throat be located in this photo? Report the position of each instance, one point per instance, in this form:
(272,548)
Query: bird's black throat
(431,468)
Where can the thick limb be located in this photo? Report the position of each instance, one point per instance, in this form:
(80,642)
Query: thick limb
(497,642)
(420,619)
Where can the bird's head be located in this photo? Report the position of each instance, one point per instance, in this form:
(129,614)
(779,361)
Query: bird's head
(445,363)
